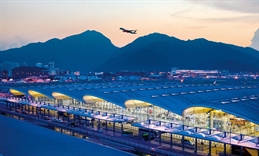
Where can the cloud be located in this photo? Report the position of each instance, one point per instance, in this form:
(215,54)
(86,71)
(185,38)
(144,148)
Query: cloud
(245,6)
(248,18)
(14,42)
(195,27)
(255,40)
(182,12)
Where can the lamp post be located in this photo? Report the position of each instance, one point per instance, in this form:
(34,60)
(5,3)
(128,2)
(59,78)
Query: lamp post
(148,130)
(230,134)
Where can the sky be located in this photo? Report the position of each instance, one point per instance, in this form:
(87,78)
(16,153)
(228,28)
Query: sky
(229,21)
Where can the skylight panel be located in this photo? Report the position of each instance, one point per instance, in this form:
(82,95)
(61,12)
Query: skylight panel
(154,96)
(165,94)
(225,102)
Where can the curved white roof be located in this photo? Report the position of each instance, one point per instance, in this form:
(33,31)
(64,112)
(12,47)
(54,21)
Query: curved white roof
(236,99)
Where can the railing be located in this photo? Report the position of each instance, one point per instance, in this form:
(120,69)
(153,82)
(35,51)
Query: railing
(91,132)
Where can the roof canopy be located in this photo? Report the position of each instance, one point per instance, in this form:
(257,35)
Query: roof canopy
(236,99)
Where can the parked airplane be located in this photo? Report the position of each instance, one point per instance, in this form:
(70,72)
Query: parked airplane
(129,31)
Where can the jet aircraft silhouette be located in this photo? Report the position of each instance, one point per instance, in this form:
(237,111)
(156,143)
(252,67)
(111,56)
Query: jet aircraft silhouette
(128,31)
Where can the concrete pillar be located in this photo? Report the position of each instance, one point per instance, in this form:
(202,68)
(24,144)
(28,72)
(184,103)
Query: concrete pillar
(92,120)
(225,149)
(209,154)
(98,125)
(159,134)
(196,142)
(182,141)
(211,120)
(80,120)
(171,140)
(121,127)
(113,127)
(106,125)
(241,150)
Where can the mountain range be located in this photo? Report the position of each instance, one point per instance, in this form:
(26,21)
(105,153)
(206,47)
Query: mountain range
(92,51)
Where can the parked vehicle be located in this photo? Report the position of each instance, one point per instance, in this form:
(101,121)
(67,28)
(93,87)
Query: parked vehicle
(25,112)
(188,142)
(73,124)
(18,111)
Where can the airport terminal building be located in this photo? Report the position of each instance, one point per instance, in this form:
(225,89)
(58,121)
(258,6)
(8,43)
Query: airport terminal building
(226,114)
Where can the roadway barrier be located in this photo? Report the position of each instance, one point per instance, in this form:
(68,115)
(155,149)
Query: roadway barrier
(93,133)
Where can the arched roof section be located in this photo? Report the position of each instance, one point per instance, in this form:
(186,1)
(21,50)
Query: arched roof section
(196,110)
(247,110)
(16,92)
(117,100)
(136,103)
(236,99)
(91,99)
(35,93)
(57,95)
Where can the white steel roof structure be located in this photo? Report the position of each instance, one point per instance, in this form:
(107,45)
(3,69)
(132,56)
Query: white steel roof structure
(239,100)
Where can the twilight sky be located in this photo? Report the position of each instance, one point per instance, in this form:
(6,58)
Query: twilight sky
(229,21)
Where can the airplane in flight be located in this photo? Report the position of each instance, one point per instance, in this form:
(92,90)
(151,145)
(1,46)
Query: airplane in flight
(129,31)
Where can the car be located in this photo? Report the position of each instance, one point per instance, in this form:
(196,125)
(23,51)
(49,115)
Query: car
(59,120)
(46,118)
(188,142)
(73,124)
(25,112)
(11,109)
(18,111)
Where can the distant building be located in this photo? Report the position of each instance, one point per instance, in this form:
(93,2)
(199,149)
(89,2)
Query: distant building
(77,73)
(24,64)
(52,72)
(8,66)
(187,73)
(23,72)
(51,65)
(39,65)
(46,66)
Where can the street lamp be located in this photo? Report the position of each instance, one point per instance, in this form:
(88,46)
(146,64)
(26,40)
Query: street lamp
(230,134)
